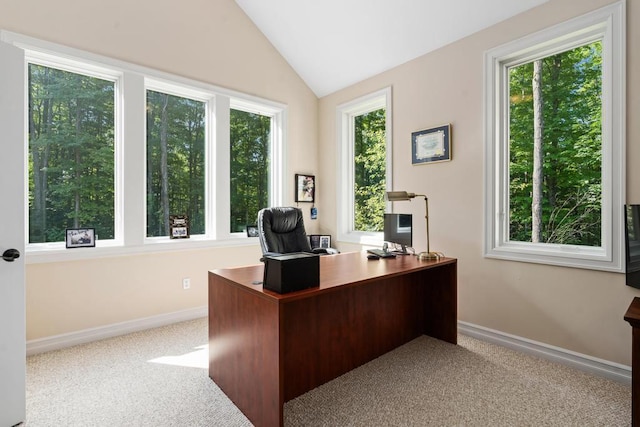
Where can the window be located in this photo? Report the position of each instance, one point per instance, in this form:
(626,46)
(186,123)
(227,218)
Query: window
(120,148)
(555,144)
(250,146)
(175,162)
(71,153)
(364,138)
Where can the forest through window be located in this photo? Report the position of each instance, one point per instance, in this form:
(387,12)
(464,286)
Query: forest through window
(555,148)
(71,154)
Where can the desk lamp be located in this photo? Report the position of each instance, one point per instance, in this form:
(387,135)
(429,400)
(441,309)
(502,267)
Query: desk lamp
(398,196)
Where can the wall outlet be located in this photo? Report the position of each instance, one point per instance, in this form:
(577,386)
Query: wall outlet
(186,283)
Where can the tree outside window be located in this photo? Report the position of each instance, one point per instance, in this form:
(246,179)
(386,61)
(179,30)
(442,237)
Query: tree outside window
(175,162)
(555,148)
(250,167)
(370,157)
(71,154)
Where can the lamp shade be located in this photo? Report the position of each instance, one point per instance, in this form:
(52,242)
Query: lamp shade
(397,196)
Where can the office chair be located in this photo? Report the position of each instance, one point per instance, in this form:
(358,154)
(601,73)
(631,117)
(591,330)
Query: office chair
(281,230)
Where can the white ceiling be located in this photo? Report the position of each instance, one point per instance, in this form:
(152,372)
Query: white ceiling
(332,44)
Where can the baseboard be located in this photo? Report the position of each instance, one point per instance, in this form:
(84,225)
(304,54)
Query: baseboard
(592,365)
(57,342)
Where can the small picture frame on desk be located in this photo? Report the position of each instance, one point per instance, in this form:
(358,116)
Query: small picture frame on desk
(320,241)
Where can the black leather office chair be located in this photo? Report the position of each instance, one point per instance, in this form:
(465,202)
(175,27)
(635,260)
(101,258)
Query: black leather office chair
(281,230)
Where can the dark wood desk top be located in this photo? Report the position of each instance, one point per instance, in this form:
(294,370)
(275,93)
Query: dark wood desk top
(633,313)
(350,268)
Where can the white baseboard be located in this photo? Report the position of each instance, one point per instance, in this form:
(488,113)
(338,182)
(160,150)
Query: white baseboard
(595,366)
(592,365)
(57,342)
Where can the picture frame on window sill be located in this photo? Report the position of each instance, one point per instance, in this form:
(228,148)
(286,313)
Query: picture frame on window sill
(431,145)
(179,227)
(80,238)
(305,188)
(252,231)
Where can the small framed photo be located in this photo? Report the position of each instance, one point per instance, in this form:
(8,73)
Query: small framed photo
(305,188)
(80,238)
(252,231)
(431,145)
(178,227)
(320,241)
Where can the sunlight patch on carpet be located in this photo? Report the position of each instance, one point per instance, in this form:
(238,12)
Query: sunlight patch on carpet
(194,359)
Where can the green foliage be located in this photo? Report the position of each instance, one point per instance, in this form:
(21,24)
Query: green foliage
(572,142)
(175,178)
(71,154)
(249,183)
(370,170)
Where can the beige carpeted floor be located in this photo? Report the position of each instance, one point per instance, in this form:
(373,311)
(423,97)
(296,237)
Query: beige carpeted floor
(159,378)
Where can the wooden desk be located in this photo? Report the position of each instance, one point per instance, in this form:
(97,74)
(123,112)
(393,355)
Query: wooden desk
(633,317)
(266,348)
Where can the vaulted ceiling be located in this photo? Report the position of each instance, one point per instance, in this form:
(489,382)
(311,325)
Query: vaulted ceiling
(334,43)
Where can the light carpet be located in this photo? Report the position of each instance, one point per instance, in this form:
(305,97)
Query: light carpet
(159,377)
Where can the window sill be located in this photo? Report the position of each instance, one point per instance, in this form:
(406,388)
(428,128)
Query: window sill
(558,255)
(105,249)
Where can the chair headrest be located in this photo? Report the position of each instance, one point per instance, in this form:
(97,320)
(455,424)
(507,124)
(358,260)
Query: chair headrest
(282,219)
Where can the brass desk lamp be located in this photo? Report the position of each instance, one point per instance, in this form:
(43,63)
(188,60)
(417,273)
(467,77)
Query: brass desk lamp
(398,196)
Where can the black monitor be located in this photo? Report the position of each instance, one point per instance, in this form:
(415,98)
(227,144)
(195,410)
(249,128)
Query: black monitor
(398,229)
(632,240)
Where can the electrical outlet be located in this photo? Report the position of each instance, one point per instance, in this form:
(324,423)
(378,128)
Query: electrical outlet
(186,283)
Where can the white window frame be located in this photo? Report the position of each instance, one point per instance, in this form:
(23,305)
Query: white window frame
(207,98)
(132,81)
(276,156)
(607,25)
(72,65)
(345,116)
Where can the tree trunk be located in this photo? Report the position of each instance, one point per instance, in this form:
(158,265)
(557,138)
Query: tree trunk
(164,168)
(538,155)
(77,169)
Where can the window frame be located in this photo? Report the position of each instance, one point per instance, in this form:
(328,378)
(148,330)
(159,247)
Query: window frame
(345,183)
(75,66)
(607,25)
(130,151)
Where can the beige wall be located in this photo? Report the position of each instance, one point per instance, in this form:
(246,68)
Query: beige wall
(213,41)
(580,310)
(207,40)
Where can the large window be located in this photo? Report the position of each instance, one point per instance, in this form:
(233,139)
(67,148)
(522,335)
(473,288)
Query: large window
(370,169)
(175,162)
(120,148)
(250,146)
(71,153)
(364,129)
(555,144)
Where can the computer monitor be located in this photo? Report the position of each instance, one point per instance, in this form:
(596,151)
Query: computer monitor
(632,240)
(398,229)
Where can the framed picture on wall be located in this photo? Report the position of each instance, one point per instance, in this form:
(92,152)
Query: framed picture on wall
(305,188)
(431,145)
